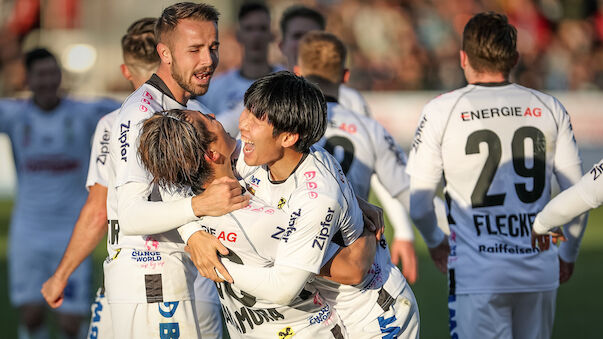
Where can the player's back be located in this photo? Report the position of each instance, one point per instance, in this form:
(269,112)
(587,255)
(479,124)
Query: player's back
(363,147)
(353,100)
(500,146)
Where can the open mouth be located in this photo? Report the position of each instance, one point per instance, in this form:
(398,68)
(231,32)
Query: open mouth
(203,76)
(248,146)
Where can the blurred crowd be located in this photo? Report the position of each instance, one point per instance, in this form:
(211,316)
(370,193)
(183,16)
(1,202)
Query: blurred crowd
(413,44)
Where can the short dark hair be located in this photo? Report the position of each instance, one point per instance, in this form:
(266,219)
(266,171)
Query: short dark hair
(170,17)
(490,43)
(249,7)
(37,54)
(297,11)
(323,55)
(172,150)
(138,45)
(290,104)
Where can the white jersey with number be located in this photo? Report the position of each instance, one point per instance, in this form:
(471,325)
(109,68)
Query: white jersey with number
(252,236)
(51,151)
(142,268)
(353,100)
(497,147)
(323,211)
(363,147)
(590,187)
(227,90)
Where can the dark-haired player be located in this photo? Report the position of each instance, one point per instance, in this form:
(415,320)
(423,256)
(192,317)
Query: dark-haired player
(498,146)
(50,137)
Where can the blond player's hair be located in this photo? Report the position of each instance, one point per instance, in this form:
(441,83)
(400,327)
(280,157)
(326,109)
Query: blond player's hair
(322,54)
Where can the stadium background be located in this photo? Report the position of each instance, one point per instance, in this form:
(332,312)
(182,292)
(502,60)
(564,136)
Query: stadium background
(402,54)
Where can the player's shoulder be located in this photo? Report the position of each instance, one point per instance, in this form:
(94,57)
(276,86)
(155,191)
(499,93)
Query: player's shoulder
(13,105)
(140,101)
(108,119)
(320,175)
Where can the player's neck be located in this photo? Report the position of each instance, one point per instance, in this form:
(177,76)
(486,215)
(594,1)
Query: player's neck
(475,77)
(252,69)
(328,88)
(47,104)
(178,92)
(221,171)
(282,168)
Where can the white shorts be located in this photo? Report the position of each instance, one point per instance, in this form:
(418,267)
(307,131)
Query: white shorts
(101,326)
(502,315)
(209,317)
(30,266)
(400,319)
(163,320)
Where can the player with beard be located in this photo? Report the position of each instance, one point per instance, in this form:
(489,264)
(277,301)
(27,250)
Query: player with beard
(50,136)
(225,95)
(149,279)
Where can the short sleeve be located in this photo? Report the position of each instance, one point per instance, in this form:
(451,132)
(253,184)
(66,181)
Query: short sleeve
(312,224)
(99,155)
(566,153)
(425,159)
(390,165)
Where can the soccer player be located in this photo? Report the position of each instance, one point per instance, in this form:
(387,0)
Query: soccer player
(296,21)
(201,151)
(360,144)
(50,137)
(571,203)
(498,145)
(254,35)
(284,116)
(149,279)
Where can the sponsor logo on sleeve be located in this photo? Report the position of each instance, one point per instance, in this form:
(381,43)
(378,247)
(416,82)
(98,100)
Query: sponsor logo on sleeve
(104,148)
(291,227)
(419,134)
(124,128)
(325,228)
(596,171)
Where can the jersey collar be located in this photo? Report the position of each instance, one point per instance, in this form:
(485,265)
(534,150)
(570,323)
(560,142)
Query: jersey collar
(304,156)
(156,82)
(491,84)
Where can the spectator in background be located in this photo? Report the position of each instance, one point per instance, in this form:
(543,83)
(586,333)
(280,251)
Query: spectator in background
(50,135)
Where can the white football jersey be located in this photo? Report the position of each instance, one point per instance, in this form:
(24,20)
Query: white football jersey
(497,147)
(353,100)
(100,164)
(252,236)
(320,203)
(227,90)
(363,147)
(51,151)
(155,267)
(590,187)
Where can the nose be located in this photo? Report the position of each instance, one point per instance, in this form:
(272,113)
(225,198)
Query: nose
(205,57)
(243,120)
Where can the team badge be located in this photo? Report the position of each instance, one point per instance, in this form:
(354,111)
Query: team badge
(286,333)
(281,203)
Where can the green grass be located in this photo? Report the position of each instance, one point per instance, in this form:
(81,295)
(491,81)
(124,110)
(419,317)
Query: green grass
(578,301)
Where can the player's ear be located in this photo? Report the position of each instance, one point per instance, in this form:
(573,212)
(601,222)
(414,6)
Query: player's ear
(125,71)
(238,35)
(463,58)
(345,76)
(297,70)
(164,53)
(289,139)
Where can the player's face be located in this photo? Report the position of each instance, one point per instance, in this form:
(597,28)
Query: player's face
(194,50)
(259,146)
(296,28)
(44,79)
(224,143)
(255,36)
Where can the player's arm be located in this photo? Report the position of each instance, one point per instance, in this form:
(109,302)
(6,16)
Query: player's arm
(566,206)
(89,229)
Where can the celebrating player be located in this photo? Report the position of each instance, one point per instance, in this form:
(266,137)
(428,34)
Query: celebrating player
(225,95)
(50,135)
(144,270)
(201,151)
(498,146)
(571,203)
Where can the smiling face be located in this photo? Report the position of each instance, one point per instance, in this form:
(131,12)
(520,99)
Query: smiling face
(193,46)
(224,144)
(259,145)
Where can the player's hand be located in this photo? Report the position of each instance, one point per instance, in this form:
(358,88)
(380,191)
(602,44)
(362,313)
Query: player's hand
(204,248)
(373,218)
(405,250)
(557,235)
(222,196)
(52,290)
(566,269)
(439,255)
(542,242)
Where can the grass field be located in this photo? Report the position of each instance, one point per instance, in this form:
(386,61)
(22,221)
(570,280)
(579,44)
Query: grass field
(578,315)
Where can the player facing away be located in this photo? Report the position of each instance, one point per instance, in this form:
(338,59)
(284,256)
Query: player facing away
(254,34)
(201,151)
(570,204)
(284,117)
(498,145)
(360,144)
(50,136)
(149,280)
